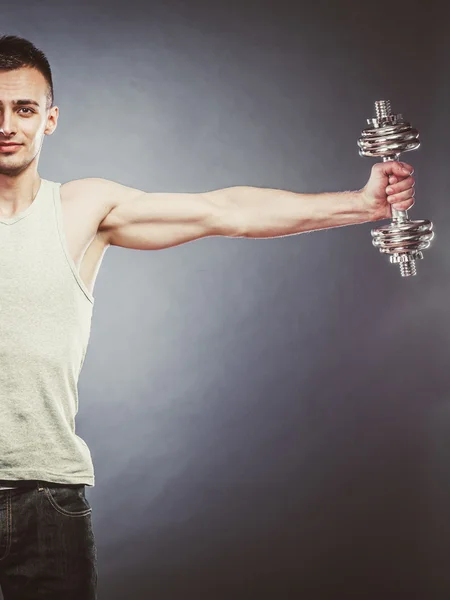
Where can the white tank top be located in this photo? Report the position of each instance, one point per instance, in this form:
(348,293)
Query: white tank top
(45,322)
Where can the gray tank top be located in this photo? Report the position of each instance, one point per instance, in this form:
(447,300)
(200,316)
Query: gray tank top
(45,322)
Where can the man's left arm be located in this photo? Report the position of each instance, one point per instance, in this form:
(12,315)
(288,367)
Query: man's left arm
(151,221)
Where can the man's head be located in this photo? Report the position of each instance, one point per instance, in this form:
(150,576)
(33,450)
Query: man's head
(26,103)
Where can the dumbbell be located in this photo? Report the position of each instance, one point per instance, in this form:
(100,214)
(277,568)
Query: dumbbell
(404,240)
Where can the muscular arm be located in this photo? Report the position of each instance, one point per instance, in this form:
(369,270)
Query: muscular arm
(151,221)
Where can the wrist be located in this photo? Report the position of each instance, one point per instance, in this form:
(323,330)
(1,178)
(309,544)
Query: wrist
(371,211)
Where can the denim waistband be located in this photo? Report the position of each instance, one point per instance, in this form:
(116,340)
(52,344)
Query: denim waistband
(33,483)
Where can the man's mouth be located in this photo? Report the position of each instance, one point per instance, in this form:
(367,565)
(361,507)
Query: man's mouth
(9,147)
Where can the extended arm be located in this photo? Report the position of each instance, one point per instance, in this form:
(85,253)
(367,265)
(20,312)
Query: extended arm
(148,221)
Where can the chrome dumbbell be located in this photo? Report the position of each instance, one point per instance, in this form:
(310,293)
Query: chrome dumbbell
(403,239)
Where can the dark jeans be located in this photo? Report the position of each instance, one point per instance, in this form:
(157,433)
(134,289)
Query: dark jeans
(47,546)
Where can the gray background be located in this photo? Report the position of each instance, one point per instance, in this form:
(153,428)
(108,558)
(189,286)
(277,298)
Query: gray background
(267,418)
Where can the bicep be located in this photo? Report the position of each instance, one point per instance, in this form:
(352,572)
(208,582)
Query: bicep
(156,220)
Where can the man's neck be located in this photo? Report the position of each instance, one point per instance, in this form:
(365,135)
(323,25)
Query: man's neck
(17,193)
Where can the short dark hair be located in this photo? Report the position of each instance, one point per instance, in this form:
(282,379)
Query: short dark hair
(16,53)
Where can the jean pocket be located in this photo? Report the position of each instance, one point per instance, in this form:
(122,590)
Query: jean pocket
(68,501)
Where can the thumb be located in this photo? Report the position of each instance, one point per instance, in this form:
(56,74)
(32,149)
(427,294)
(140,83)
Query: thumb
(393,167)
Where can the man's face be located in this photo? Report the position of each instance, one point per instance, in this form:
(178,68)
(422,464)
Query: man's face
(25,123)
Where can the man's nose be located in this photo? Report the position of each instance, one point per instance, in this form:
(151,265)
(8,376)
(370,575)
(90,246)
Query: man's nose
(7,127)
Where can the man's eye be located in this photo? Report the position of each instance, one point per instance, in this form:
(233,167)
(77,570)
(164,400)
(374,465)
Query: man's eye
(29,109)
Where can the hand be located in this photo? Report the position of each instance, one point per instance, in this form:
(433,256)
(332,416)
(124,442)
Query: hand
(389,186)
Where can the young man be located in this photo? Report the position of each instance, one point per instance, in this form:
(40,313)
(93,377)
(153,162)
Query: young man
(52,240)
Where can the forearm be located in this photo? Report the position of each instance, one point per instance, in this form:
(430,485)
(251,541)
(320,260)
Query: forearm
(260,212)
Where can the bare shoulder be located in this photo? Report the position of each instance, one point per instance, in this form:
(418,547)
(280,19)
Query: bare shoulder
(91,189)
(99,196)
(104,191)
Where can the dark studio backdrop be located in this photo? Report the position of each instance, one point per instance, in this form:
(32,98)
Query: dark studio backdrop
(267,418)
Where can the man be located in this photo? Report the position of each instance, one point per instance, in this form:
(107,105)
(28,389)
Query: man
(52,241)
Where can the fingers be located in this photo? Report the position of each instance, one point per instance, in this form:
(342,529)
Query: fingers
(409,193)
(403,200)
(405,184)
(400,190)
(395,167)
(404,205)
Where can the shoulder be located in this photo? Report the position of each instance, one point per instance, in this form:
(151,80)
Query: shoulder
(97,199)
(85,204)
(94,188)
(104,191)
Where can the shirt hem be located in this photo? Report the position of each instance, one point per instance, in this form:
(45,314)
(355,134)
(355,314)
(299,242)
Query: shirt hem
(88,480)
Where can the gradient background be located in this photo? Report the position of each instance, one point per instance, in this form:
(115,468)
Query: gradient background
(267,418)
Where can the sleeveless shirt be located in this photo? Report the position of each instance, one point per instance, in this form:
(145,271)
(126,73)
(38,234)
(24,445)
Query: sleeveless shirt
(45,323)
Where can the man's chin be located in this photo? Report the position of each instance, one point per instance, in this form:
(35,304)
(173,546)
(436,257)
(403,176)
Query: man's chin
(10,170)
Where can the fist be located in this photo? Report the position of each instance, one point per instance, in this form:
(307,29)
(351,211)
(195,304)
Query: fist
(391,184)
